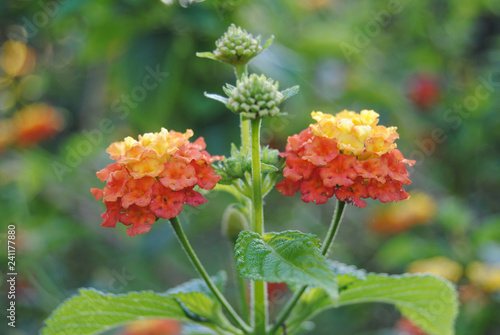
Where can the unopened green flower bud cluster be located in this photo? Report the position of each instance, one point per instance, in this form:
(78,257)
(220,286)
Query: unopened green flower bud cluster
(255,96)
(237,46)
(239,164)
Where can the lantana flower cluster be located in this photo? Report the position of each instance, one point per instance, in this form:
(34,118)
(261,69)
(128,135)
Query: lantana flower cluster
(153,177)
(347,155)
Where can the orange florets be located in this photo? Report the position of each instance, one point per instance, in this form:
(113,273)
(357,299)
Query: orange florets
(153,177)
(347,155)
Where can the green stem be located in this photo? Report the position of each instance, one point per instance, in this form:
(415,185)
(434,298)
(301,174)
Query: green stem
(242,288)
(334,227)
(239,71)
(245,134)
(259,286)
(327,243)
(257,178)
(203,273)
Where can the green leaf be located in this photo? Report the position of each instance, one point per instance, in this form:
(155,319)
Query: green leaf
(290,92)
(208,55)
(217,97)
(428,301)
(346,274)
(199,285)
(291,256)
(199,307)
(268,168)
(93,312)
(268,43)
(228,89)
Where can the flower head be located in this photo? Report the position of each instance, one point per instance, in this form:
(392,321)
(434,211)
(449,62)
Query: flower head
(255,96)
(237,46)
(153,177)
(347,155)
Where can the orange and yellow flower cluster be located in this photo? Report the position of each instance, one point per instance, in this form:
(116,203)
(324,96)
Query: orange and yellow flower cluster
(347,155)
(153,177)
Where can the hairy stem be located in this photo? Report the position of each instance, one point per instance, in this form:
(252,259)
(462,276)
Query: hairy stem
(327,243)
(239,71)
(203,273)
(259,287)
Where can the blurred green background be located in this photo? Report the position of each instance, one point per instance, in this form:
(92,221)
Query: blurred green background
(73,80)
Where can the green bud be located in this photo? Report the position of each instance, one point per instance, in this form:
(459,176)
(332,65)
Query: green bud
(234,221)
(255,96)
(270,156)
(237,46)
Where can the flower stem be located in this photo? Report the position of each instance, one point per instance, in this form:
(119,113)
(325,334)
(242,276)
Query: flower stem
(259,287)
(203,273)
(334,227)
(242,288)
(245,134)
(257,179)
(327,243)
(239,71)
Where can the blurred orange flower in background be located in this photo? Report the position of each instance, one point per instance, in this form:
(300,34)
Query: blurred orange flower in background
(153,327)
(30,125)
(485,276)
(35,123)
(419,209)
(439,266)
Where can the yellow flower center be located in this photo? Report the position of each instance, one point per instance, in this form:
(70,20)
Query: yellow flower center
(146,156)
(356,134)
